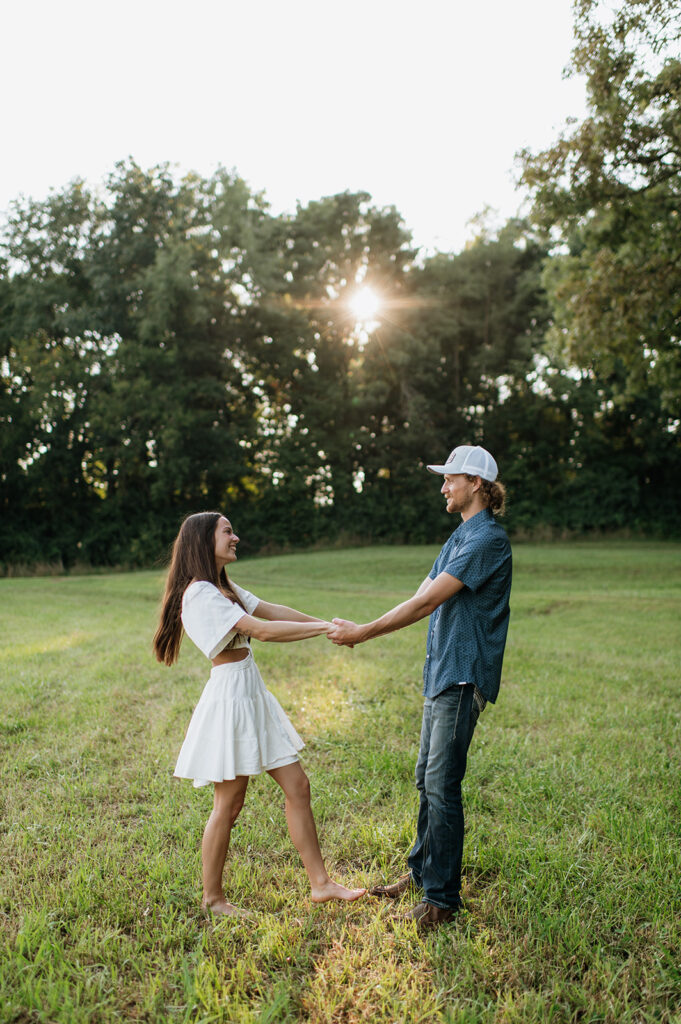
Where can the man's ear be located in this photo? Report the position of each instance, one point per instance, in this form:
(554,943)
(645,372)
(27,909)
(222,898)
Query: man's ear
(477,484)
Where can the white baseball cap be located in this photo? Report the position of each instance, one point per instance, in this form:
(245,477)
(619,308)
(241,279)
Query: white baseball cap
(471,459)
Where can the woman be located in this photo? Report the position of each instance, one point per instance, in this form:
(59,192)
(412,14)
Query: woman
(238,728)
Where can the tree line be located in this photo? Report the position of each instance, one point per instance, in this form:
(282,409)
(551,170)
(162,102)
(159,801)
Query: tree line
(169,345)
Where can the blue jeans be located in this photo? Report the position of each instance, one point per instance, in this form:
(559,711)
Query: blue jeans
(446,731)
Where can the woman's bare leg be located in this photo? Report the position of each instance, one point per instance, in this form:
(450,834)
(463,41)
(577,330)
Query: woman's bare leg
(303,832)
(228,800)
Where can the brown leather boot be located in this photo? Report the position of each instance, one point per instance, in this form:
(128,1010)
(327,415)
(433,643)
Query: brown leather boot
(395,889)
(428,916)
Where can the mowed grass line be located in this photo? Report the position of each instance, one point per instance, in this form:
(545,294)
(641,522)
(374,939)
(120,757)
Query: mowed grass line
(572,860)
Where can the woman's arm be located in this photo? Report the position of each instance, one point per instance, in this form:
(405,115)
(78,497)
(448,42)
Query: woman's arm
(281,631)
(280,612)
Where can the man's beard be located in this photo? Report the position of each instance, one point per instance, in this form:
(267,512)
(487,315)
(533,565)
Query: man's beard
(460,505)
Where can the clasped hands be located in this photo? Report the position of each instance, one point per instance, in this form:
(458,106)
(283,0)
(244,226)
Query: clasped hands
(344,633)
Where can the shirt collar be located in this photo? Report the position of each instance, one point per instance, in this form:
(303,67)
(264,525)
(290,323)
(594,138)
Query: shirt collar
(480,518)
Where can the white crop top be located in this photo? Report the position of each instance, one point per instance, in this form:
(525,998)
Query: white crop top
(209,617)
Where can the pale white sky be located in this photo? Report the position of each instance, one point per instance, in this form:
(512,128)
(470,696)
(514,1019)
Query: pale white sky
(422,103)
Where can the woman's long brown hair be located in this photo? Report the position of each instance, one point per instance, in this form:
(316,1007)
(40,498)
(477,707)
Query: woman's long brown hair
(193,558)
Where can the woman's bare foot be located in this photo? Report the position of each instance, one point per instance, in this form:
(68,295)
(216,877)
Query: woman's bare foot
(221,907)
(333,891)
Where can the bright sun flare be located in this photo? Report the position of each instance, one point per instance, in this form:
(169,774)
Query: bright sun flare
(365,305)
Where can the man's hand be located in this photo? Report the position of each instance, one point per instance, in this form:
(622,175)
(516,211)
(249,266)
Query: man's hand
(344,633)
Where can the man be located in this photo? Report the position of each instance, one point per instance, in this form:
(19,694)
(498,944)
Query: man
(466,595)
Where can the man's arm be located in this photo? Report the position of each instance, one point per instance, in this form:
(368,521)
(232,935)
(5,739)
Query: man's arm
(427,598)
(424,586)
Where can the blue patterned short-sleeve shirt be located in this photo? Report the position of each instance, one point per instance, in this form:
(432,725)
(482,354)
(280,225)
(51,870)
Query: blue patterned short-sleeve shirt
(467,632)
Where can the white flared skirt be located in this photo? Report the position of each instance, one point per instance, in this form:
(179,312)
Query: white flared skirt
(238,728)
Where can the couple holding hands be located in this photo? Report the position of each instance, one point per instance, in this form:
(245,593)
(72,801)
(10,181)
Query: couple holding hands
(238,728)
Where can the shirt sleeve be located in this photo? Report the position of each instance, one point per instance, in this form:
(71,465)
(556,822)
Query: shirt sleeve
(209,618)
(476,560)
(250,601)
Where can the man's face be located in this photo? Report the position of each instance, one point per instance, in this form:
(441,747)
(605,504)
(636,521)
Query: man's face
(459,492)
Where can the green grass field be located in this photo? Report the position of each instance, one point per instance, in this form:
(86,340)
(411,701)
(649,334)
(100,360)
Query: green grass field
(572,862)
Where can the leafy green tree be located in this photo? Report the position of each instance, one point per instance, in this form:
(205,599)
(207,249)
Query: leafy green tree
(609,190)
(171,264)
(121,358)
(305,361)
(48,365)
(457,344)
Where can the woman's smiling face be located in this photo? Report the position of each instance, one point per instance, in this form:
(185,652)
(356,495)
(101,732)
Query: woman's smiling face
(225,542)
